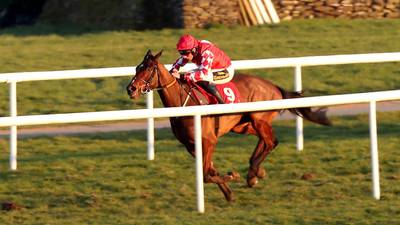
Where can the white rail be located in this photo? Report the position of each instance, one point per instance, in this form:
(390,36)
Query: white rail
(198,111)
(238,64)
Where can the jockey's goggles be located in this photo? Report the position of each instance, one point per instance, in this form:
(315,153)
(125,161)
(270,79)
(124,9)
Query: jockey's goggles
(185,52)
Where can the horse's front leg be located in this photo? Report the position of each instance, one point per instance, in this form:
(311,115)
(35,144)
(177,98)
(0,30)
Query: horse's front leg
(231,176)
(223,186)
(210,174)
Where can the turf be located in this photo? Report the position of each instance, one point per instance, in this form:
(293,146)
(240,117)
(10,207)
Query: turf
(106,179)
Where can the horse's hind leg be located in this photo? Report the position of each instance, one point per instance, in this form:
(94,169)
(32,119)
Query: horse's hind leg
(253,169)
(266,143)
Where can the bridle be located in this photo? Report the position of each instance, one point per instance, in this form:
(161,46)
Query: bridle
(147,83)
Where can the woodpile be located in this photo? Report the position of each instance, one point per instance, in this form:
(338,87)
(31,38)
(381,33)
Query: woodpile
(255,12)
(308,9)
(203,13)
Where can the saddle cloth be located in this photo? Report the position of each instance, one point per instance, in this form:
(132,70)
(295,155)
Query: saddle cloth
(228,91)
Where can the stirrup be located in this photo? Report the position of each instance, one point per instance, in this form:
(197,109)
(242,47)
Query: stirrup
(219,97)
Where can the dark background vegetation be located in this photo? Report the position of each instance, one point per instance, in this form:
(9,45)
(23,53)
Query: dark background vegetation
(19,12)
(101,14)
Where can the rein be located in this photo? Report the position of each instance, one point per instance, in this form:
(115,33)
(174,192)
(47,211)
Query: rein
(166,86)
(148,89)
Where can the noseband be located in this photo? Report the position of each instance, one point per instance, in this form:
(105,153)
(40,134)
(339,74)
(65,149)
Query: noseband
(147,88)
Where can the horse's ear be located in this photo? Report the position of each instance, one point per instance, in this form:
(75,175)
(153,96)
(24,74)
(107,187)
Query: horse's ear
(148,57)
(157,56)
(147,54)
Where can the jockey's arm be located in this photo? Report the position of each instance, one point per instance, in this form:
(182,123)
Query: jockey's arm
(203,72)
(178,64)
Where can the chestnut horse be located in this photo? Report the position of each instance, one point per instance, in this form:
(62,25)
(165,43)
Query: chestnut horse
(152,75)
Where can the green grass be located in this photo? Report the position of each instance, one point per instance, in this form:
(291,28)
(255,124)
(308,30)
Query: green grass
(44,48)
(106,179)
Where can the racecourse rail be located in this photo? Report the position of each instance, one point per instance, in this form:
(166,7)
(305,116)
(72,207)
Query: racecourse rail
(197,111)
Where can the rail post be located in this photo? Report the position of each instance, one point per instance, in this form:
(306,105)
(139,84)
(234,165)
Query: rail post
(150,128)
(13,129)
(374,150)
(299,120)
(199,164)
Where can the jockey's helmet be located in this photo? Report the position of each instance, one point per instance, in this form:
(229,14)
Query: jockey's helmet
(186,42)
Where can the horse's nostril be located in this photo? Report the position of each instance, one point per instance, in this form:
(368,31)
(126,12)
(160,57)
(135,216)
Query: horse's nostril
(130,89)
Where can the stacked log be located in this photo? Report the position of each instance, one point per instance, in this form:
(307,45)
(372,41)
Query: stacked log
(308,9)
(203,13)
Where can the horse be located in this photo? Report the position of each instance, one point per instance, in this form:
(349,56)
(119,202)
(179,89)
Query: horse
(153,75)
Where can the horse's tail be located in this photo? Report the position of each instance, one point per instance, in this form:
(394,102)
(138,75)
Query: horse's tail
(318,116)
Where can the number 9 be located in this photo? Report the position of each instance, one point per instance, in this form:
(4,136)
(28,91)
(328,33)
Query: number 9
(230,94)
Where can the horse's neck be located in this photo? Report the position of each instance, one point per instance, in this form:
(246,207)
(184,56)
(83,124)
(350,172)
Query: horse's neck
(170,96)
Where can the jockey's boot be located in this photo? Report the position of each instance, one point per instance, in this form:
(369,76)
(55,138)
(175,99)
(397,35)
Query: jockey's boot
(210,88)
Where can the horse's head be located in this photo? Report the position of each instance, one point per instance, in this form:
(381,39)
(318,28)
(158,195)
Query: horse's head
(147,75)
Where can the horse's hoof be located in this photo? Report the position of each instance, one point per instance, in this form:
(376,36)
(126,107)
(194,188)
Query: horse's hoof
(228,194)
(252,181)
(261,173)
(230,197)
(235,176)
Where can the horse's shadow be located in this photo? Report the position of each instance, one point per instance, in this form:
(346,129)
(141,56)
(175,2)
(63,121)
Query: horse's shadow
(285,133)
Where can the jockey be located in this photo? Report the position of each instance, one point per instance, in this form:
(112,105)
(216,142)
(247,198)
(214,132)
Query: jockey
(214,66)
